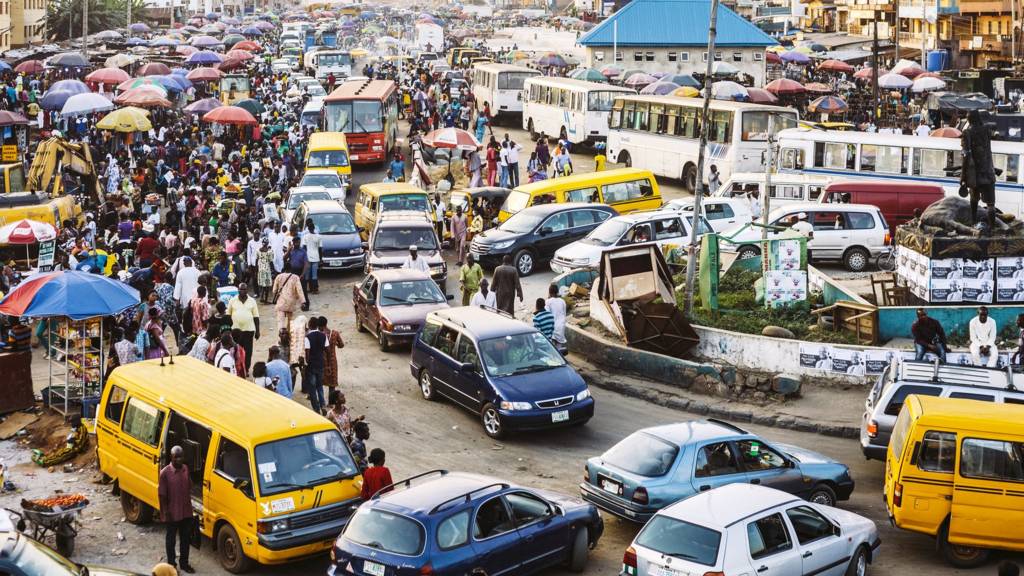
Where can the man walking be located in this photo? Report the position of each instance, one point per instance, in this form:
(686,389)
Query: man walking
(470,276)
(279,372)
(459,230)
(312,241)
(175,492)
(288,297)
(185,283)
(557,307)
(506,285)
(299,264)
(245,317)
(313,379)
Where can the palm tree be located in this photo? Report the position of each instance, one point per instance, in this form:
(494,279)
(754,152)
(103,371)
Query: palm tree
(64,17)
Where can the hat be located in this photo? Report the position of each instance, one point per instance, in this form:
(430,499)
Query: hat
(413,248)
(802,216)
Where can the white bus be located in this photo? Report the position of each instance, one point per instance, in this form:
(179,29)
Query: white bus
(898,158)
(574,110)
(500,85)
(662,134)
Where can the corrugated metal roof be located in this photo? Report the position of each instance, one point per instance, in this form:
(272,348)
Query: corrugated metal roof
(675,23)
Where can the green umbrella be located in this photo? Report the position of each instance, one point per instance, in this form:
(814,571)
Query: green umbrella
(252,106)
(232,39)
(588,74)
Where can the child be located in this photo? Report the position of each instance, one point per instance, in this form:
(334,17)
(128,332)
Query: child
(377,476)
(599,157)
(358,444)
(259,376)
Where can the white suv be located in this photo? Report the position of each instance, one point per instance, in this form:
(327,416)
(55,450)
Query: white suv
(748,529)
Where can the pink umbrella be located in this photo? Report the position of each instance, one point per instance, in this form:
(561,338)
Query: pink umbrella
(204,75)
(230,115)
(107,76)
(186,50)
(761,96)
(785,86)
(865,73)
(453,138)
(154,69)
(240,55)
(639,80)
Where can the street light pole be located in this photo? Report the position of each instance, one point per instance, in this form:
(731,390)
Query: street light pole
(85,28)
(765,202)
(698,189)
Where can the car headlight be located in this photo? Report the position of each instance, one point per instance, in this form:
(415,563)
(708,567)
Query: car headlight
(515,405)
(272,526)
(502,245)
(583,261)
(355,251)
(583,395)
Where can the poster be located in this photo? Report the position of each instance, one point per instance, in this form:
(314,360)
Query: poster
(270,212)
(787,255)
(876,361)
(46,249)
(978,290)
(978,269)
(846,361)
(1009,268)
(816,356)
(782,287)
(946,269)
(945,290)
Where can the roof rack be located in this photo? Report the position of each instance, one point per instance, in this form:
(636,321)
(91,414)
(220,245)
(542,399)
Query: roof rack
(728,425)
(468,495)
(407,482)
(956,375)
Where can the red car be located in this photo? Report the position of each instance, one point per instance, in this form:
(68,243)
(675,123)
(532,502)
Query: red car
(393,303)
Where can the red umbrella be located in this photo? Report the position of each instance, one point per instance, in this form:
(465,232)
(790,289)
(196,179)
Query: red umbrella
(185,50)
(107,76)
(785,86)
(8,118)
(772,58)
(453,138)
(142,98)
(945,132)
(154,69)
(240,55)
(30,67)
(250,45)
(761,96)
(818,88)
(204,75)
(230,64)
(230,115)
(835,66)
(27,232)
(865,73)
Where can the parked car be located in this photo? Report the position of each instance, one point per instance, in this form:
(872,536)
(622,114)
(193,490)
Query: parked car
(500,368)
(341,247)
(23,556)
(328,178)
(395,232)
(634,229)
(655,467)
(393,304)
(748,529)
(300,194)
(896,200)
(905,377)
(456,524)
(853,234)
(534,234)
(723,214)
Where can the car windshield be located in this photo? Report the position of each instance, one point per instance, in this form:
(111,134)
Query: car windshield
(303,461)
(324,158)
(325,180)
(413,201)
(642,454)
(295,199)
(334,223)
(402,238)
(515,201)
(410,292)
(608,233)
(680,539)
(343,59)
(519,354)
(35,558)
(522,222)
(385,531)
(316,90)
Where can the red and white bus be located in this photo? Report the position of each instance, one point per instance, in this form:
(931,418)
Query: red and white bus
(367,112)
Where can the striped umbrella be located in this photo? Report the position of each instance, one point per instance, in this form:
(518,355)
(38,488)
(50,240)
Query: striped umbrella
(451,138)
(828,105)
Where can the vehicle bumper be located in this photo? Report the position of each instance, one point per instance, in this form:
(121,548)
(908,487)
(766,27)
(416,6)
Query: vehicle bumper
(542,419)
(267,556)
(872,451)
(343,263)
(617,506)
(367,157)
(490,259)
(400,337)
(300,543)
(844,490)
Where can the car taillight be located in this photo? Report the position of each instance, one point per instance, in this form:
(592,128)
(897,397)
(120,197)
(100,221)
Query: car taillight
(586,473)
(629,562)
(426,569)
(872,429)
(714,574)
(640,495)
(897,495)
(888,238)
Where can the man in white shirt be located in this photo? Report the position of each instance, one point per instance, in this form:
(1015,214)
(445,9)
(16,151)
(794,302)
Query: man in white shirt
(312,241)
(923,129)
(983,338)
(414,262)
(186,282)
(224,359)
(484,297)
(803,226)
(558,310)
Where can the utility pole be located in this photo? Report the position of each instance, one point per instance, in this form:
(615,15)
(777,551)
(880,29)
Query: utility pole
(896,32)
(85,28)
(874,71)
(128,18)
(698,189)
(765,201)
(1013,32)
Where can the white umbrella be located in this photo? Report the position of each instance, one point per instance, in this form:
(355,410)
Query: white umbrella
(893,81)
(728,90)
(927,84)
(27,232)
(724,69)
(86,103)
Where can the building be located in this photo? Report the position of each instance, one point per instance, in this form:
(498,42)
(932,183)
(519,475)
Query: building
(28,22)
(5,25)
(672,36)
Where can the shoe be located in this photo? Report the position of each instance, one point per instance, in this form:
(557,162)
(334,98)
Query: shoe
(188,569)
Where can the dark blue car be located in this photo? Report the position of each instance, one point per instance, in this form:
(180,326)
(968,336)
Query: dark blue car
(456,524)
(500,368)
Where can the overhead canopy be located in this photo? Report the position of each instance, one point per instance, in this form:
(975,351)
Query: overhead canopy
(951,102)
(76,295)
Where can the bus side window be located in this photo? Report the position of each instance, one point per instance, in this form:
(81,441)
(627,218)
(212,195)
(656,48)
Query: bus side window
(646,188)
(813,193)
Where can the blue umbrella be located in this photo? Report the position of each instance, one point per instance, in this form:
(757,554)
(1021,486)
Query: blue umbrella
(167,82)
(204,57)
(179,72)
(212,15)
(58,94)
(185,83)
(138,27)
(165,42)
(4,65)
(137,42)
(252,31)
(368,15)
(77,295)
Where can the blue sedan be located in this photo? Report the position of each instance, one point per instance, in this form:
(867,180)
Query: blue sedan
(655,467)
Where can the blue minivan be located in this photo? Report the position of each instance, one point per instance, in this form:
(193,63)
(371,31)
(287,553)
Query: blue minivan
(341,247)
(500,368)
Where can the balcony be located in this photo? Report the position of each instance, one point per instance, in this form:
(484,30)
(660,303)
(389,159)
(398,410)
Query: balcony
(985,6)
(986,43)
(913,40)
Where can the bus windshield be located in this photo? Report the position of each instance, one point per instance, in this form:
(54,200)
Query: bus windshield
(359,116)
(513,80)
(601,101)
(327,159)
(236,83)
(334,59)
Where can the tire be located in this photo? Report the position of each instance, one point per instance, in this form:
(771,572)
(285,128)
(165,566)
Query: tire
(491,420)
(531,130)
(859,563)
(359,323)
(525,262)
(382,340)
(625,160)
(427,386)
(822,494)
(961,556)
(748,252)
(66,545)
(229,551)
(886,262)
(135,511)
(856,259)
(690,178)
(580,550)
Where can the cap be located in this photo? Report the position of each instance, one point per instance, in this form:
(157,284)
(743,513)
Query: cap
(413,248)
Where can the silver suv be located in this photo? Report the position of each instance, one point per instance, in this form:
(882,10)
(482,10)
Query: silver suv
(391,238)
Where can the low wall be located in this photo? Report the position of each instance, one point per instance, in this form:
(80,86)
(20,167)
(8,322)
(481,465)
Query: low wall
(895,321)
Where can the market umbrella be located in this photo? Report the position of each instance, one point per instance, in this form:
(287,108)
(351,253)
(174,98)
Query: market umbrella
(778,49)
(68,60)
(139,27)
(249,45)
(8,118)
(205,41)
(835,66)
(682,80)
(589,75)
(552,59)
(230,115)
(30,67)
(74,294)
(660,88)
(58,94)
(242,55)
(185,50)
(795,57)
(908,68)
(252,31)
(828,105)
(724,69)
(451,138)
(204,57)
(264,25)
(140,82)
(143,98)
(171,83)
(611,70)
(772,58)
(894,81)
(230,64)
(818,88)
(137,42)
(927,84)
(109,35)
(945,132)
(783,86)
(107,76)
(203,106)
(154,69)
(204,75)
(127,119)
(928,75)
(120,60)
(686,92)
(27,232)
(761,96)
(164,42)
(85,103)
(252,106)
(728,90)
(639,80)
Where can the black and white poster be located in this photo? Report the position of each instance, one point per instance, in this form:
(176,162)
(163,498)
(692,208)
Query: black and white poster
(978,290)
(876,361)
(978,269)
(946,290)
(816,356)
(846,361)
(1009,268)
(946,269)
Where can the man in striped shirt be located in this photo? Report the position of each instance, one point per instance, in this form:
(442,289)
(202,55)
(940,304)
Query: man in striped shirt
(543,320)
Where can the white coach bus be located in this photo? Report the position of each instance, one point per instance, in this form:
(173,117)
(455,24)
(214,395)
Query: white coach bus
(662,134)
(500,85)
(573,110)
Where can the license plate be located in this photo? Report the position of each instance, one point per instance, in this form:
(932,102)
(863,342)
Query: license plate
(560,416)
(372,568)
(666,571)
(334,262)
(611,486)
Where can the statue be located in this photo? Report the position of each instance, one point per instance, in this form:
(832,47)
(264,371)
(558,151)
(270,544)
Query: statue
(978,174)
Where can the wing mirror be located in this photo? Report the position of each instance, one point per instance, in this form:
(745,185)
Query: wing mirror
(545,231)
(240,484)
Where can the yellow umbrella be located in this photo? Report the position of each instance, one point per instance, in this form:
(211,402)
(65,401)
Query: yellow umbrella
(127,119)
(686,92)
(358,52)
(779,48)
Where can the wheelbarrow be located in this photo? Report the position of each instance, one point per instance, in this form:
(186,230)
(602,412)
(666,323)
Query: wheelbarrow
(59,521)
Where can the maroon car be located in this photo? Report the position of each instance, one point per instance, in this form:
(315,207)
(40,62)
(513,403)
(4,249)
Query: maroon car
(393,304)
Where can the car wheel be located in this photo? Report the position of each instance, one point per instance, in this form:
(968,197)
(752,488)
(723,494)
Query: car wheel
(135,511)
(426,385)
(859,563)
(524,262)
(822,494)
(359,323)
(382,340)
(491,420)
(530,129)
(748,252)
(580,550)
(625,160)
(690,178)
(959,555)
(856,259)
(229,551)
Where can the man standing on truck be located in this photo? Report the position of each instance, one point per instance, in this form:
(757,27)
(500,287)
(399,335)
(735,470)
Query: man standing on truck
(175,492)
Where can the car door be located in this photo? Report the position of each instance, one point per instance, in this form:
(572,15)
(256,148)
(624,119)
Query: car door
(543,537)
(720,215)
(552,234)
(831,236)
(822,551)
(142,428)
(581,223)
(471,381)
(716,465)
(444,366)
(221,497)
(495,539)
(372,306)
(669,231)
(766,466)
(770,546)
(864,231)
(361,295)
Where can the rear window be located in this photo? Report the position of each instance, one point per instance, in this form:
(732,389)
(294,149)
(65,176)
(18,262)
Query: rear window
(900,395)
(516,201)
(899,435)
(642,454)
(385,531)
(859,221)
(679,539)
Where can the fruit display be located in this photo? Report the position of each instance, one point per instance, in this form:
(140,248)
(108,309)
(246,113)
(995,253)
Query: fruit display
(61,501)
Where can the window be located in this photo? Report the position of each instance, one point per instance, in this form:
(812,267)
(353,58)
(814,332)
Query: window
(887,159)
(809,525)
(827,221)
(638,56)
(756,456)
(666,229)
(716,211)
(641,116)
(758,56)
(836,155)
(618,56)
(453,531)
(115,403)
(650,56)
(992,459)
(785,192)
(446,341)
(643,455)
(233,462)
(721,126)
(792,158)
(938,452)
(657,124)
(737,56)
(814,192)
(624,191)
(934,162)
(672,56)
(143,422)
(1009,165)
(584,217)
(492,519)
(716,460)
(582,195)
(859,221)
(901,393)
(527,508)
(768,536)
(557,222)
(467,354)
(599,55)
(704,56)
(430,330)
(969,396)
(680,539)
(684,56)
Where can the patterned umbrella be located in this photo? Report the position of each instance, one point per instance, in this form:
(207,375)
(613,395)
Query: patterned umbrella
(107,76)
(451,138)
(230,115)
(552,59)
(154,69)
(782,86)
(835,66)
(77,295)
(828,105)
(203,106)
(140,82)
(27,232)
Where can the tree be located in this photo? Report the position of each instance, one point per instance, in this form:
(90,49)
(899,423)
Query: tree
(64,17)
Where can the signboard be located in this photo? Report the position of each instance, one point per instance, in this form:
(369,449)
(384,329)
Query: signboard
(9,153)
(784,270)
(46,250)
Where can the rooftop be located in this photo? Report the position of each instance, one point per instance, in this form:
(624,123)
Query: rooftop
(675,23)
(482,323)
(422,495)
(727,505)
(693,431)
